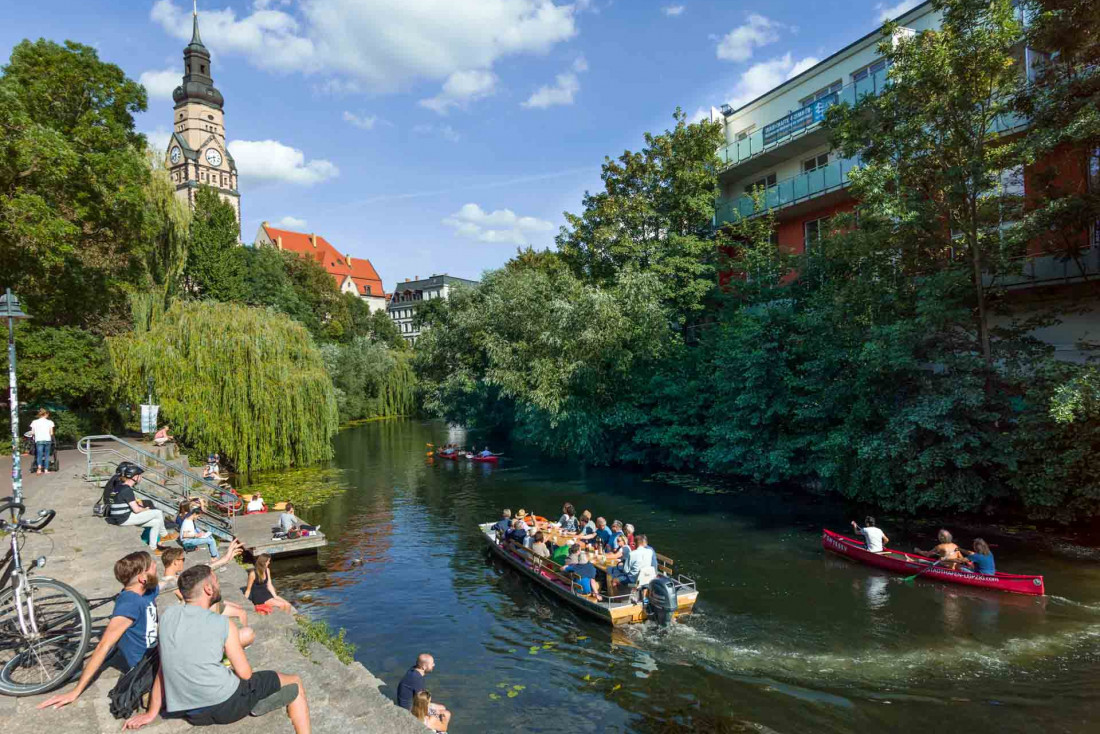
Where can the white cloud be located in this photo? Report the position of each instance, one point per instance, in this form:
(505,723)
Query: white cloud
(291,222)
(673,10)
(764,76)
(159,84)
(889,12)
(738,44)
(363,122)
(380,44)
(270,160)
(444,131)
(158,139)
(562,91)
(699,115)
(461,88)
(499,226)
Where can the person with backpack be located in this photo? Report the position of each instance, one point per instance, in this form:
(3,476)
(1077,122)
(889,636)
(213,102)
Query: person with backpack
(124,508)
(132,629)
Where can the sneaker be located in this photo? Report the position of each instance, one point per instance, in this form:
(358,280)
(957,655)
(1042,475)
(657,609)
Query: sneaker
(168,538)
(280,699)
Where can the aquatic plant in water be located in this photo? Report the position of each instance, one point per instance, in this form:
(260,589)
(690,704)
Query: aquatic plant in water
(304,486)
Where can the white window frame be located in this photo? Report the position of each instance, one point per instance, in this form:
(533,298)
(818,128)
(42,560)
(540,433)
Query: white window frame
(865,71)
(766,181)
(817,162)
(823,92)
(819,226)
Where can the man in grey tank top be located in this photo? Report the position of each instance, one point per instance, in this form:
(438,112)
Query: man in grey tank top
(194,682)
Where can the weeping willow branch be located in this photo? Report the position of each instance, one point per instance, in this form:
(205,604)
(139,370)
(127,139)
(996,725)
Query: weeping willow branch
(243,381)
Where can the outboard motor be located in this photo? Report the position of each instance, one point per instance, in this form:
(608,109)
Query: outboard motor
(663,600)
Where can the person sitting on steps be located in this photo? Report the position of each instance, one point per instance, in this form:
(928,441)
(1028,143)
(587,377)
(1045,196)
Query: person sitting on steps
(261,590)
(163,436)
(126,510)
(193,682)
(132,629)
(191,537)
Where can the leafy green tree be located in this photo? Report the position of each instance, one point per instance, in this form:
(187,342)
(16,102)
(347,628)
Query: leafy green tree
(247,382)
(371,380)
(316,290)
(73,179)
(655,215)
(933,159)
(167,229)
(215,261)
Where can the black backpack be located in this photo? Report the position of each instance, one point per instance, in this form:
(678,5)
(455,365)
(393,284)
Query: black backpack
(126,696)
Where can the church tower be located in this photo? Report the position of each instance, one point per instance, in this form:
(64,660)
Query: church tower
(197,155)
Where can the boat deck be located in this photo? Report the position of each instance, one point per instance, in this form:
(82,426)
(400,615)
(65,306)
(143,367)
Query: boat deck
(255,533)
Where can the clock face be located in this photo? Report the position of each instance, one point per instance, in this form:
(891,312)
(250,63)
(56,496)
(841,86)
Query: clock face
(213,157)
(175,155)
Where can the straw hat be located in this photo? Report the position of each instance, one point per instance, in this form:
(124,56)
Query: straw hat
(520,514)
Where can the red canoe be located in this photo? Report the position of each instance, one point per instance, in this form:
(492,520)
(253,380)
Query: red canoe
(909,564)
(452,456)
(485,459)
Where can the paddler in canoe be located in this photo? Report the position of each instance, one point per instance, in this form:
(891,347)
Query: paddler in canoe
(873,538)
(946,553)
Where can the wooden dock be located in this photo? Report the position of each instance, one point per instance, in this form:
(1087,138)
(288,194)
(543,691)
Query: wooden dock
(255,532)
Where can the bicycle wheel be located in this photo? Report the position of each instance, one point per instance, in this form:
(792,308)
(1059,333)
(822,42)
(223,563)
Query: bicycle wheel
(34,664)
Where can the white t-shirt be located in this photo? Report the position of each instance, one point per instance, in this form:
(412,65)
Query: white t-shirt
(255,505)
(874,538)
(42,429)
(188,526)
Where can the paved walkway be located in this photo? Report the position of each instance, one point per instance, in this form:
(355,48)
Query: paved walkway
(81,550)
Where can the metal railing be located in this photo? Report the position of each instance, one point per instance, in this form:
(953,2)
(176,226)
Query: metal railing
(791,190)
(163,482)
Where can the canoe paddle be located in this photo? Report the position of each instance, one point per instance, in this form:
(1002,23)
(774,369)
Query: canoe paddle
(908,579)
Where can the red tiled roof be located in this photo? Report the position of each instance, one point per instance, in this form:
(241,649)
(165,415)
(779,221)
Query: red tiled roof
(340,266)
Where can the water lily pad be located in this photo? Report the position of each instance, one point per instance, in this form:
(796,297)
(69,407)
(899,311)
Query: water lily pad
(533,652)
(617,687)
(511,649)
(513,694)
(494,696)
(519,688)
(502,685)
(582,637)
(588,677)
(547,647)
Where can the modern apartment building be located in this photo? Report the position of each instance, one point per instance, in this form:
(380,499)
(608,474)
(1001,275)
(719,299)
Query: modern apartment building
(777,143)
(408,296)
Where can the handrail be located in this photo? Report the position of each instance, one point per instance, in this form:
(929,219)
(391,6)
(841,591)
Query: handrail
(213,518)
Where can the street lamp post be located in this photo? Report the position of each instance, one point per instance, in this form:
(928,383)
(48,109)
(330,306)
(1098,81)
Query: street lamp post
(9,308)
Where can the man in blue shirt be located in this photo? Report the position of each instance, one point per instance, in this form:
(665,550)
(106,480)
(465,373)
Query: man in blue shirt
(587,573)
(413,683)
(133,627)
(603,533)
(504,524)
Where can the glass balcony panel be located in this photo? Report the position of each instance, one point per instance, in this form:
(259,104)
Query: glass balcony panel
(831,175)
(789,190)
(801,187)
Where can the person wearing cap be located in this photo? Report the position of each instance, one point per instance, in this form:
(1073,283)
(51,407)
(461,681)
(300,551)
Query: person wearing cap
(521,517)
(128,511)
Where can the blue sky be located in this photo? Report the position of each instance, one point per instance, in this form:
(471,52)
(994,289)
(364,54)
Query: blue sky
(436,136)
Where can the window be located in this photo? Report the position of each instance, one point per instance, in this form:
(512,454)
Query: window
(821,93)
(812,232)
(763,182)
(209,117)
(818,161)
(869,70)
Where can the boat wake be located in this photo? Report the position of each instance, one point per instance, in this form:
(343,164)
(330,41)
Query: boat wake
(705,643)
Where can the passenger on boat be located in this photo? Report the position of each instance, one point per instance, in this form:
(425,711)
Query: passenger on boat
(521,517)
(587,527)
(587,573)
(872,536)
(485,453)
(517,533)
(559,554)
(538,547)
(256,504)
(421,709)
(628,530)
(640,568)
(504,524)
(981,558)
(603,533)
(619,548)
(568,520)
(413,683)
(946,551)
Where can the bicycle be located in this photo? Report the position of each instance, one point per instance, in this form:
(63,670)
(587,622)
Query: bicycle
(45,625)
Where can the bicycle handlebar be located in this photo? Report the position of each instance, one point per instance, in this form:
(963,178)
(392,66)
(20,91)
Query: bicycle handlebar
(35,527)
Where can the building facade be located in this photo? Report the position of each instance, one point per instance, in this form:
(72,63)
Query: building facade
(777,147)
(197,154)
(409,295)
(354,275)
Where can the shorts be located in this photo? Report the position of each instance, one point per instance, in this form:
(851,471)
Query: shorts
(262,684)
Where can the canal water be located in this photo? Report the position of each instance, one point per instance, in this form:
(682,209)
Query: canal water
(785,638)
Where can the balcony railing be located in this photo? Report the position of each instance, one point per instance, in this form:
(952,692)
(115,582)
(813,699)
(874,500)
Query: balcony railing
(788,191)
(799,122)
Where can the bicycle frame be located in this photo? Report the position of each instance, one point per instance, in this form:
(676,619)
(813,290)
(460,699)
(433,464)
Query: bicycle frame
(13,567)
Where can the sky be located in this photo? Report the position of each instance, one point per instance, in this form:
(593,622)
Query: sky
(438,136)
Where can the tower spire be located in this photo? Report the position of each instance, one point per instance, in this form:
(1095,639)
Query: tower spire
(195,38)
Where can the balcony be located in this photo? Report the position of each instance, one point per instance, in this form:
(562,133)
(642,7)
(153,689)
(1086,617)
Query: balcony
(799,123)
(789,191)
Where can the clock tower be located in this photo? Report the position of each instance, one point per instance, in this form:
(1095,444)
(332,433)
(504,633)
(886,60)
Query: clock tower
(197,155)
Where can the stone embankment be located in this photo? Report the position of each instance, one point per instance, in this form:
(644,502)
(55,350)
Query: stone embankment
(81,551)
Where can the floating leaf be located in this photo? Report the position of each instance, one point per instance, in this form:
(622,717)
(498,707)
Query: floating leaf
(511,649)
(519,688)
(502,685)
(494,696)
(547,647)
(617,687)
(582,637)
(533,652)
(588,677)
(513,694)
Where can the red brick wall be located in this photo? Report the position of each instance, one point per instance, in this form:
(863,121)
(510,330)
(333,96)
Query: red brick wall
(1067,172)
(792,234)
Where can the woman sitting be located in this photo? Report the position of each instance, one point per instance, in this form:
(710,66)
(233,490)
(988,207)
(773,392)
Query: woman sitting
(981,558)
(261,590)
(421,709)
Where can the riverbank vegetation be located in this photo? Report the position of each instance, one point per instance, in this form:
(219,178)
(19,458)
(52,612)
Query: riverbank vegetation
(887,363)
(129,263)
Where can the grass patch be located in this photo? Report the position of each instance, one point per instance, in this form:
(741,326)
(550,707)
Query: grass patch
(310,631)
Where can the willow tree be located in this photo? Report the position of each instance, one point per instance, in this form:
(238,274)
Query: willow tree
(247,382)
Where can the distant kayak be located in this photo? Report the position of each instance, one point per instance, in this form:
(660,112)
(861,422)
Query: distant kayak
(453,456)
(484,459)
(909,564)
